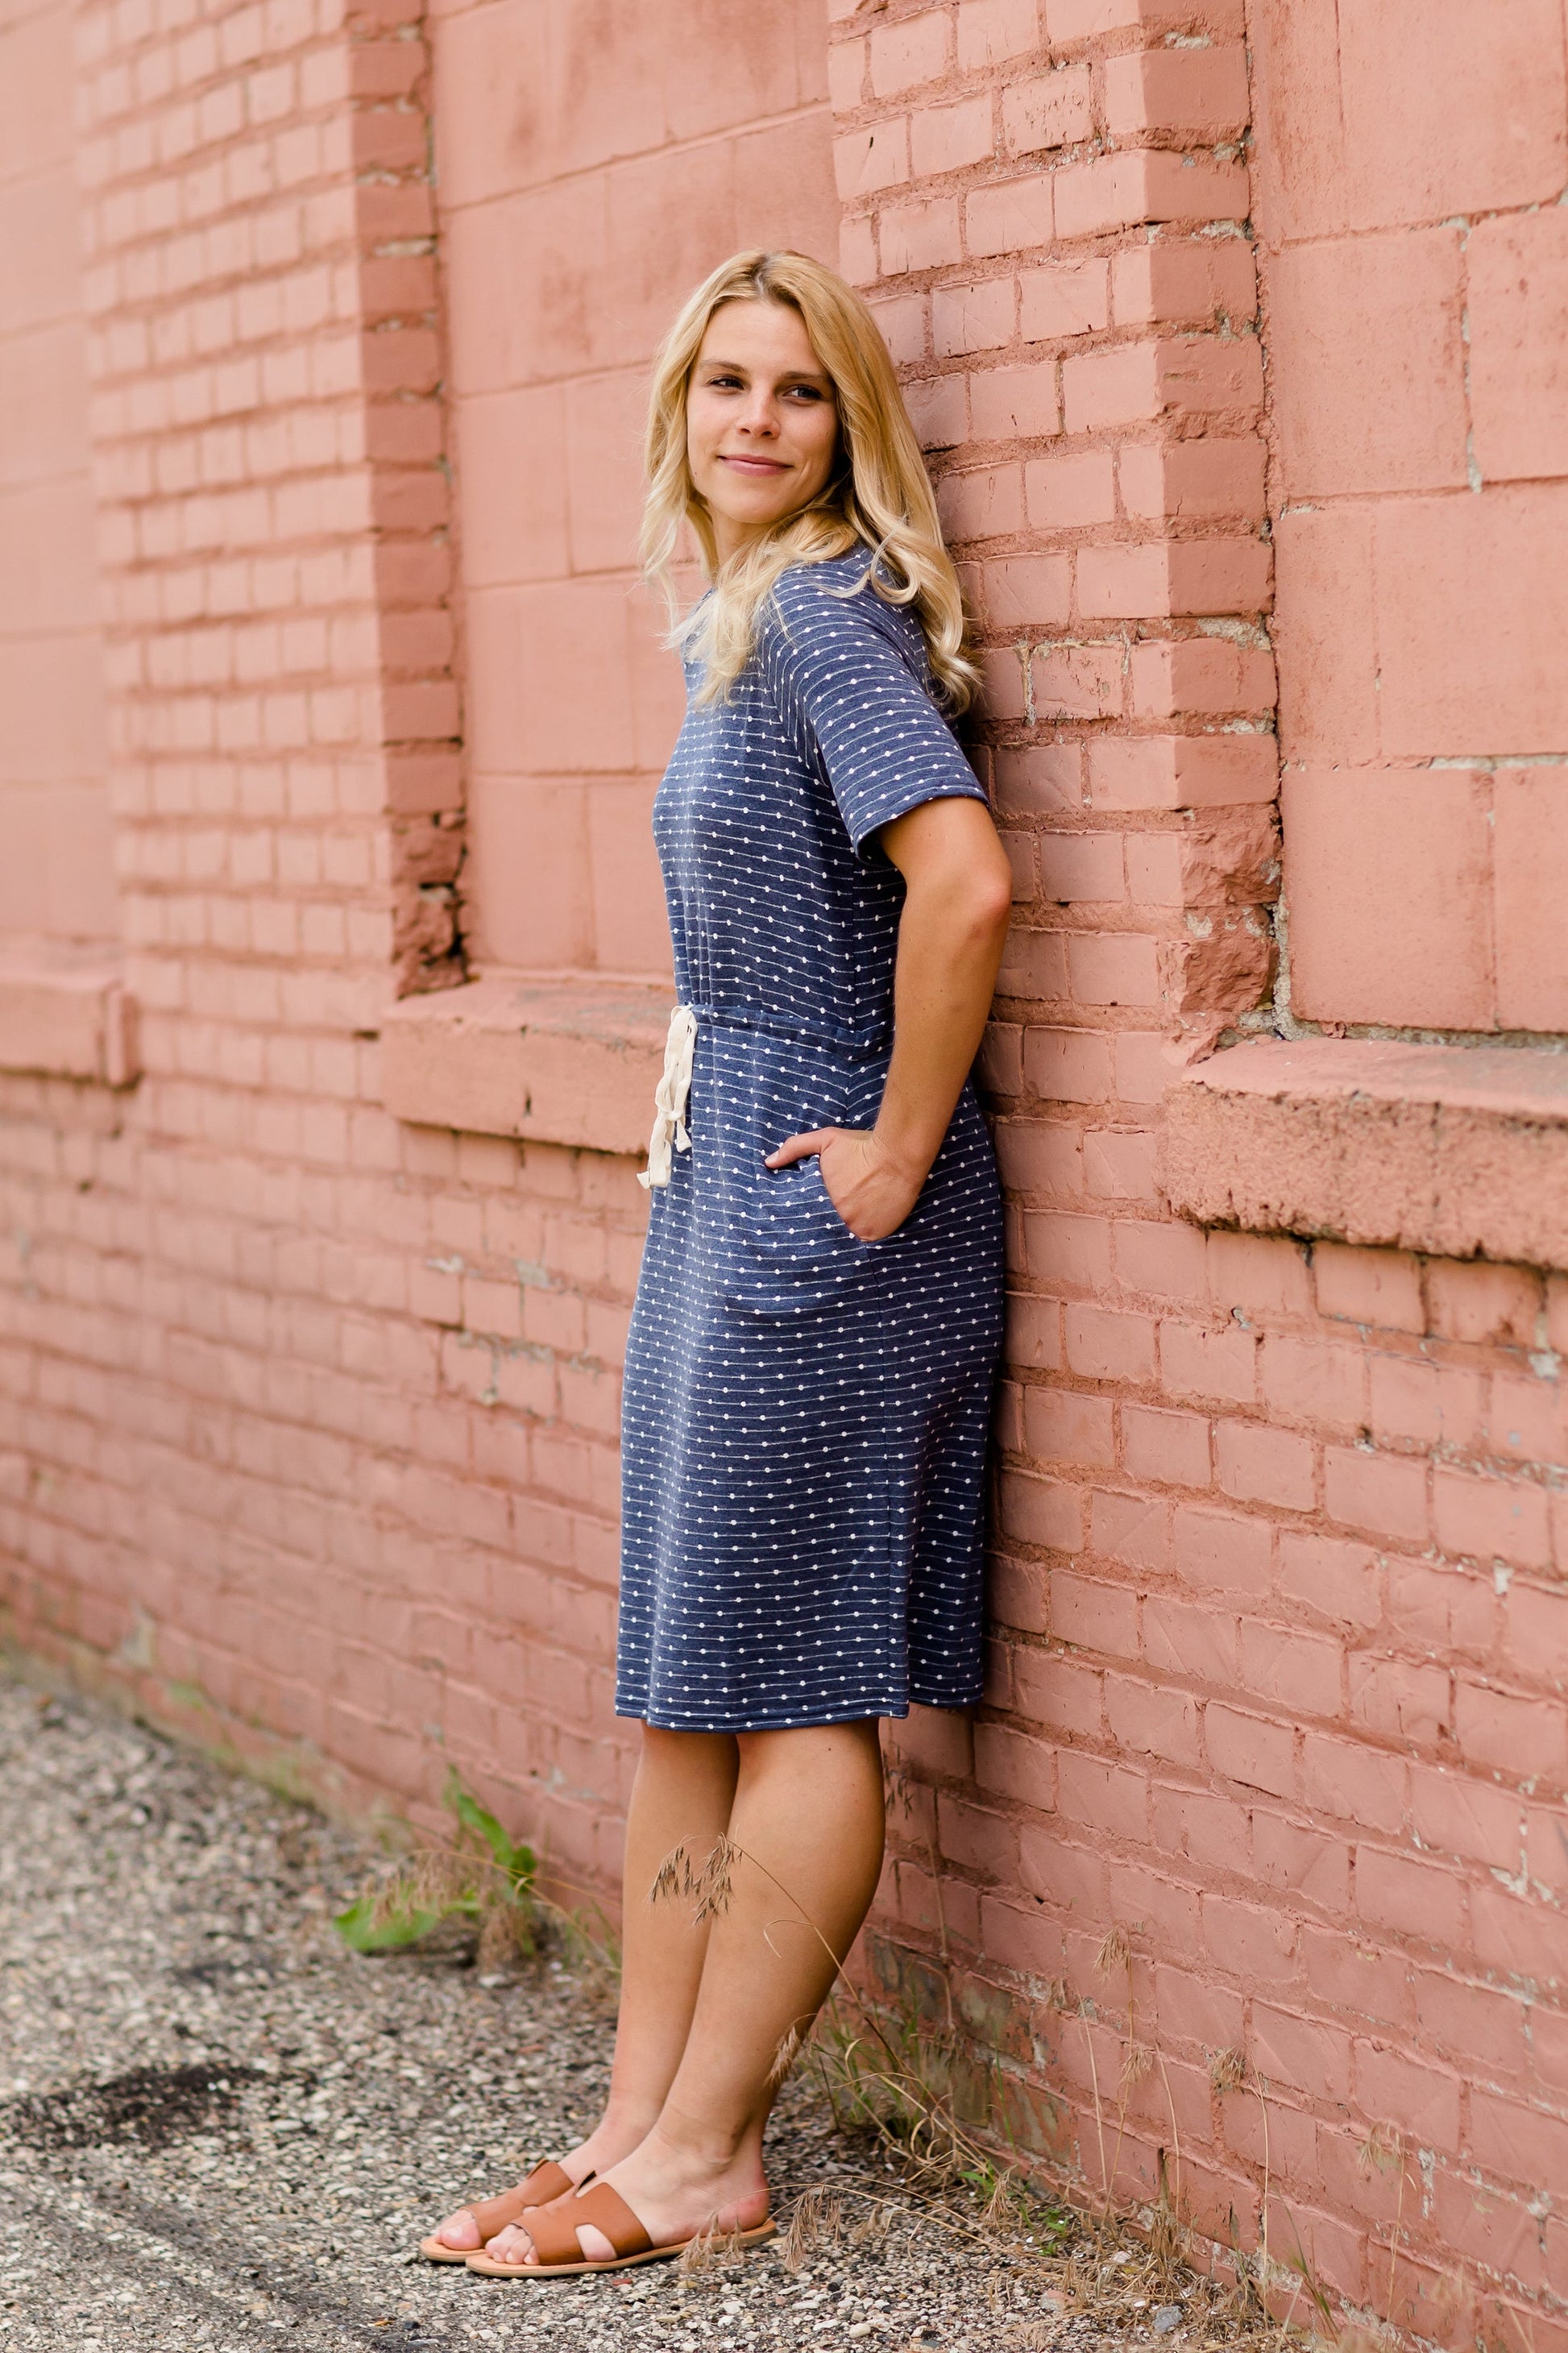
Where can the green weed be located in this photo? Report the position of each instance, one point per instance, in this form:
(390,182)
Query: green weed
(481,1875)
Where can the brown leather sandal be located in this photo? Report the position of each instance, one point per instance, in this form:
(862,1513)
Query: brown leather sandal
(554,2230)
(493,2214)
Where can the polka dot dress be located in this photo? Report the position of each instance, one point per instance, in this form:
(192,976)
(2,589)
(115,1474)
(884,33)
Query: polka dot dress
(806,1414)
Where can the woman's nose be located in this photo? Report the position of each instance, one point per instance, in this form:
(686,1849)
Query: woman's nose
(760,415)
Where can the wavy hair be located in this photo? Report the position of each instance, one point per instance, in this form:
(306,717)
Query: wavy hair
(877,495)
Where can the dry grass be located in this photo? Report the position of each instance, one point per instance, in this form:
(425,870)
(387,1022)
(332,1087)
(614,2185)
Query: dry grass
(889,2076)
(479,1883)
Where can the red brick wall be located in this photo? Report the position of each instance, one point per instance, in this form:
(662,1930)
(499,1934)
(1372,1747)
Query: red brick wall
(1277,1682)
(56,877)
(207,1341)
(1415,285)
(595,165)
(308,1418)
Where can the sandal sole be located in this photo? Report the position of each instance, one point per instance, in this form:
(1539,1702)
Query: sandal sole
(488,2268)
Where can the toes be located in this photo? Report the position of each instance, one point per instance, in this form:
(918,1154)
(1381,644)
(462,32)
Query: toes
(461,2232)
(512,2245)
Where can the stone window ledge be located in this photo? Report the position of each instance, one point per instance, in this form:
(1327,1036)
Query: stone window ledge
(1458,1151)
(552,1061)
(66,1012)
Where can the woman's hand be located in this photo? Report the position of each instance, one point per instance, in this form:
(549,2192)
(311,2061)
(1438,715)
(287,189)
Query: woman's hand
(958,894)
(872,1191)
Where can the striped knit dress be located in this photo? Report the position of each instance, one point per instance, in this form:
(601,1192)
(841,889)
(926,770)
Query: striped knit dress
(806,1414)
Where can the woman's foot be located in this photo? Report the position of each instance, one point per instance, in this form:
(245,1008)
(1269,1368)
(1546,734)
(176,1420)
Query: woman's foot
(465,2232)
(674,2191)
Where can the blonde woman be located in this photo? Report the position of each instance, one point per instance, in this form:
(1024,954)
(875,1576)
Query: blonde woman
(813,1347)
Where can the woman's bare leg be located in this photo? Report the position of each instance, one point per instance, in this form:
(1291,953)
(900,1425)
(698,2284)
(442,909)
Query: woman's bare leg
(683,1792)
(808,1816)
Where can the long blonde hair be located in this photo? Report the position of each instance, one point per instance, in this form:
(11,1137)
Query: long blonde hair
(879,493)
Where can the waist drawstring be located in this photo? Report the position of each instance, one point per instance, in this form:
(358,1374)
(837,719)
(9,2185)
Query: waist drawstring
(670,1096)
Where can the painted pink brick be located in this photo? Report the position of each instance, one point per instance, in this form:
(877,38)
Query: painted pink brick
(1349,320)
(1165,1447)
(1372,1287)
(1008,401)
(905,54)
(975,318)
(1008,217)
(1386,1495)
(865,162)
(919,236)
(1071,492)
(1064,299)
(1053,110)
(946,138)
(1516,270)
(1432,830)
(1256,1464)
(1106,1345)
(991,32)
(1490,1518)
(1201,90)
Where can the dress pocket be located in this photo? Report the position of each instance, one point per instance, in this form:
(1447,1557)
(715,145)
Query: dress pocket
(783,1248)
(792,1250)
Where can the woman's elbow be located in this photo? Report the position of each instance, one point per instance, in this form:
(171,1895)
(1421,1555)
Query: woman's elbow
(989,897)
(971,896)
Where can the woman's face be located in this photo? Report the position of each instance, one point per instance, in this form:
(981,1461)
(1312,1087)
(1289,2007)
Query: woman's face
(761,422)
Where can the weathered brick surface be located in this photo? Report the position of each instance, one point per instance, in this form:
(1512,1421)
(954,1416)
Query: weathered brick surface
(56,879)
(308,1419)
(1259,1519)
(1413,313)
(318,1412)
(653,149)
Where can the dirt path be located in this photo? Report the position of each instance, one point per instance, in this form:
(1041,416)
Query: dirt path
(218,2129)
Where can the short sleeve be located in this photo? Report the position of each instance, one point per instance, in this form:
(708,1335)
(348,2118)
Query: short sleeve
(843,675)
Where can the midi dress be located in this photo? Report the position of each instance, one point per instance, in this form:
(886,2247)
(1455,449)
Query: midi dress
(804,1414)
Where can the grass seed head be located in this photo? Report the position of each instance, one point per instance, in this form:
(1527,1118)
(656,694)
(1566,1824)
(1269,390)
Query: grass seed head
(1227,2070)
(1115,1952)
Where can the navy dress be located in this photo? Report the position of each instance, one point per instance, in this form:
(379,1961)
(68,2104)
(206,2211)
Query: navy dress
(804,1419)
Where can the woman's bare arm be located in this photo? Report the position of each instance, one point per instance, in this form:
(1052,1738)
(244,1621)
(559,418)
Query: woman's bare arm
(951,936)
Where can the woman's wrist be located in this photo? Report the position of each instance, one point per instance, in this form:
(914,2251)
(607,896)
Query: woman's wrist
(909,1155)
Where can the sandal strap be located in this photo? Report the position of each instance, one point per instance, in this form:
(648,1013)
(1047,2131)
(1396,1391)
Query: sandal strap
(553,2229)
(547,2180)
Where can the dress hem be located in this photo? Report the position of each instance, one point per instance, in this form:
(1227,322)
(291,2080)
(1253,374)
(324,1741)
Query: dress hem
(854,1712)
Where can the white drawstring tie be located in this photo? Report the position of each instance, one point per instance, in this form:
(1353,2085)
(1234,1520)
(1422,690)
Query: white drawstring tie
(670,1095)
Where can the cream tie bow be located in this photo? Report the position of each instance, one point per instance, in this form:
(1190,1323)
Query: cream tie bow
(670,1094)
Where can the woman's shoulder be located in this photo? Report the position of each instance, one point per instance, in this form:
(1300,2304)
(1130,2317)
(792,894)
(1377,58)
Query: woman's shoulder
(835,600)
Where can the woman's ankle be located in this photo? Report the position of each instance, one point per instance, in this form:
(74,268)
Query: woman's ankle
(696,2145)
(617,2134)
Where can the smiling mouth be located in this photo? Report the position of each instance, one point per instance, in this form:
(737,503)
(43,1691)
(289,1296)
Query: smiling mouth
(755,465)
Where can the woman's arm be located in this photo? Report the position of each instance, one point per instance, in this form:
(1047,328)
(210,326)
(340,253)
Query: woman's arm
(951,934)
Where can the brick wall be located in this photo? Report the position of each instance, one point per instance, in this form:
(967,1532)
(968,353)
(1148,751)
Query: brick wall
(647,146)
(1277,1683)
(1415,284)
(308,1416)
(57,875)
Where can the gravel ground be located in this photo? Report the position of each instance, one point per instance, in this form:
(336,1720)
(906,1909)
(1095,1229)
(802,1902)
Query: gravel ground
(220,2129)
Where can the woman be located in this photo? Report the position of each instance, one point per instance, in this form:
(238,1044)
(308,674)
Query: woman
(817,1317)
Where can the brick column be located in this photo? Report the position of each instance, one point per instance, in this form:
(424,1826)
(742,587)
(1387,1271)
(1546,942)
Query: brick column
(1046,203)
(268,431)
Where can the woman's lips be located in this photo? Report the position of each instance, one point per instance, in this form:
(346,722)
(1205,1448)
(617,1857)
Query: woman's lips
(754,465)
